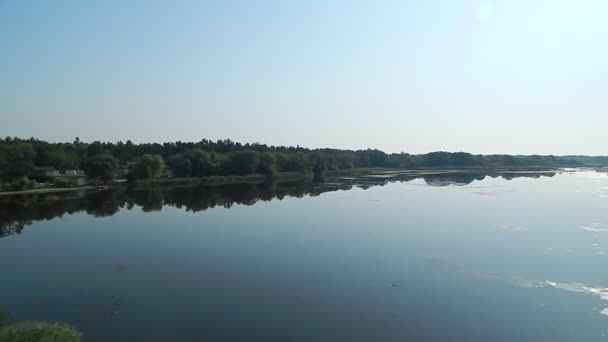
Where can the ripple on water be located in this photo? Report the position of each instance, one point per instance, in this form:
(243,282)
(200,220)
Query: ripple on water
(510,227)
(574,287)
(596,228)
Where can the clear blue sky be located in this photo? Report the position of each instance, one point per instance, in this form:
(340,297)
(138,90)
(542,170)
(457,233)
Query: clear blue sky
(504,76)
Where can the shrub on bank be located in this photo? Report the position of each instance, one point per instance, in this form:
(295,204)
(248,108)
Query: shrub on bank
(63,183)
(19,184)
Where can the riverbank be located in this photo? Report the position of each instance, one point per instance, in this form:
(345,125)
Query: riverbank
(472,169)
(224,180)
(211,180)
(47,190)
(280,177)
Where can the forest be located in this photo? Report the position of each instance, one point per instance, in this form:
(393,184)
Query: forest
(21,160)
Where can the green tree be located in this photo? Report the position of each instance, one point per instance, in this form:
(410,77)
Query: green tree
(56,157)
(267,165)
(102,167)
(16,160)
(464,159)
(318,170)
(181,166)
(295,162)
(299,163)
(201,163)
(149,166)
(96,148)
(345,162)
(241,163)
(435,159)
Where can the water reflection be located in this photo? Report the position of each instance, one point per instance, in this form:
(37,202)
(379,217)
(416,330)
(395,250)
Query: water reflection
(17,212)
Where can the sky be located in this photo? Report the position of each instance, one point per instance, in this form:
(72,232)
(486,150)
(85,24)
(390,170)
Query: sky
(503,76)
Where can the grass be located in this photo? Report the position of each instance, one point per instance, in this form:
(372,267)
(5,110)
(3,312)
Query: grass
(38,332)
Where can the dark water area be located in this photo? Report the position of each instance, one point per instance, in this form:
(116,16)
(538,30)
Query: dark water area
(408,256)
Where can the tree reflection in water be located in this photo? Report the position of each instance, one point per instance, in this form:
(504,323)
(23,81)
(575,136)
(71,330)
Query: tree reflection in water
(19,211)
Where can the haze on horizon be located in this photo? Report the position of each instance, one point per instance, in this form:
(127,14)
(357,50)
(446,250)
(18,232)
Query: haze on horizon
(503,76)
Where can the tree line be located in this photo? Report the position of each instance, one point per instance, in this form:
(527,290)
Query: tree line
(21,158)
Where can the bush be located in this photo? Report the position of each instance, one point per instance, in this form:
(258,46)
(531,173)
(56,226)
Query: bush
(63,183)
(149,166)
(39,332)
(22,183)
(101,166)
(267,165)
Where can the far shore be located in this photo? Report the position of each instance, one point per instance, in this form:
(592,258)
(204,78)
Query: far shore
(47,190)
(248,179)
(223,180)
(189,181)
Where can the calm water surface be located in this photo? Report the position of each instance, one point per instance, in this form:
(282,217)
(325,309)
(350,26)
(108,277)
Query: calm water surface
(445,257)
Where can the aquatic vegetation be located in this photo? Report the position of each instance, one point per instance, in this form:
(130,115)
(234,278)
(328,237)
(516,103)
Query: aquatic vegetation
(35,331)
(39,332)
(5,319)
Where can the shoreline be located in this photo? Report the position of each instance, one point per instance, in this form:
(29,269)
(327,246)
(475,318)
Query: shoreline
(259,178)
(47,190)
(187,181)
(225,180)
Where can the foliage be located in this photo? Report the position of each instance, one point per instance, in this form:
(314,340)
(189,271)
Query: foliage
(58,157)
(202,163)
(16,160)
(19,184)
(25,158)
(181,166)
(267,165)
(149,166)
(101,166)
(241,163)
(319,171)
(39,332)
(63,183)
(292,162)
